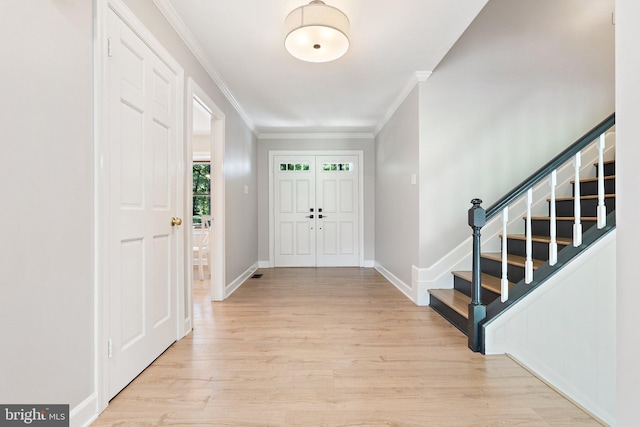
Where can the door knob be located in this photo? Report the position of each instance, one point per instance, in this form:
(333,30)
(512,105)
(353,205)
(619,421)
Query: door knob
(175,221)
(310,216)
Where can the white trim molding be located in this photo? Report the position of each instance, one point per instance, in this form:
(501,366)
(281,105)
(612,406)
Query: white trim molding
(217,154)
(417,77)
(235,284)
(314,136)
(395,281)
(85,413)
(176,22)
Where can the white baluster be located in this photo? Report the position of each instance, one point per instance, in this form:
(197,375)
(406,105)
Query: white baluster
(602,209)
(528,265)
(553,244)
(504,283)
(577,226)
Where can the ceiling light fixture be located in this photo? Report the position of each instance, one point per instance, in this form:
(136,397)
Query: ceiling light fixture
(317,32)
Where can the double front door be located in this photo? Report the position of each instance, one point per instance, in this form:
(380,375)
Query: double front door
(316,210)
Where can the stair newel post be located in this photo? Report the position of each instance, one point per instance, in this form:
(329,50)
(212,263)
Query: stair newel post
(602,209)
(553,244)
(528,264)
(504,282)
(577,210)
(477,311)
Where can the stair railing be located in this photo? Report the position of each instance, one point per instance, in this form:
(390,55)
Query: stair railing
(478,217)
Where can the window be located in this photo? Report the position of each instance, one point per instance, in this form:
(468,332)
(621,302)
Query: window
(337,167)
(201,190)
(294,166)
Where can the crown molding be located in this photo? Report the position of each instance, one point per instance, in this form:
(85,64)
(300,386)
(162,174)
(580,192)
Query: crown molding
(417,77)
(179,26)
(314,135)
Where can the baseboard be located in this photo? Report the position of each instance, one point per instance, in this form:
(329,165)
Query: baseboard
(85,413)
(233,286)
(367,264)
(402,287)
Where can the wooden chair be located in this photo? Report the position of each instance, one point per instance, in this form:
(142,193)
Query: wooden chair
(202,250)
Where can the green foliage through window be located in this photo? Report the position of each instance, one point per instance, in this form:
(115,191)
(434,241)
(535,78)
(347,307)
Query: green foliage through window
(201,190)
(294,166)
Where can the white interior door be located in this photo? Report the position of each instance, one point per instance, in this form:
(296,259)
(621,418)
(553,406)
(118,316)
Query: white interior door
(316,211)
(142,166)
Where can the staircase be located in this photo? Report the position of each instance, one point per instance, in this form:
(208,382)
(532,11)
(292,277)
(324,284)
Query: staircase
(453,304)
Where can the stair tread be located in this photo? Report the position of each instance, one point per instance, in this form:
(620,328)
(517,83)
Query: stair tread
(458,301)
(512,259)
(488,281)
(543,239)
(593,197)
(606,162)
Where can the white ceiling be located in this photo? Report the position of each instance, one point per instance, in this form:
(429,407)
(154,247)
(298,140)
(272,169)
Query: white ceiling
(393,45)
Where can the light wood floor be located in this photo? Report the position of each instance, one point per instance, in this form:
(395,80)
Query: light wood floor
(331,347)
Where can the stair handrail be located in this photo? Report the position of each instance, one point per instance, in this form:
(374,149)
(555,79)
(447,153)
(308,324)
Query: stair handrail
(477,310)
(552,165)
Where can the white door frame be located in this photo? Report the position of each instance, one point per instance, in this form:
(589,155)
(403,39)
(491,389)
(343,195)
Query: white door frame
(102,183)
(359,153)
(217,149)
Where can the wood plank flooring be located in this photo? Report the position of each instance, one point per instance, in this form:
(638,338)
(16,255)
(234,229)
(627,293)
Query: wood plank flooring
(330,347)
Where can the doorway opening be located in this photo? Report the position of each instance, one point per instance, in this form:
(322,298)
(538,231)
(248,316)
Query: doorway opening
(205,200)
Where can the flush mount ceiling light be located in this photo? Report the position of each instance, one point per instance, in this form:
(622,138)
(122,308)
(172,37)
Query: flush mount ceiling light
(317,32)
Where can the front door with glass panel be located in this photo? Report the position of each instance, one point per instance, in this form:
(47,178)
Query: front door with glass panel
(316,200)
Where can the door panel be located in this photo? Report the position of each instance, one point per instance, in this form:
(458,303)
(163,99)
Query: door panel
(294,229)
(337,184)
(142,167)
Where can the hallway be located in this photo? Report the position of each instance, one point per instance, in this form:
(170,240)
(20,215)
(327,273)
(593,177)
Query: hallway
(330,347)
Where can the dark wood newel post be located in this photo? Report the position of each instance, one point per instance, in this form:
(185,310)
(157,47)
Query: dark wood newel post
(477,311)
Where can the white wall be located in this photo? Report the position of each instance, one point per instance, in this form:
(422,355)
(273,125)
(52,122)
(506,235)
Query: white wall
(566,332)
(201,146)
(46,183)
(396,197)
(627,208)
(240,148)
(315,144)
(525,80)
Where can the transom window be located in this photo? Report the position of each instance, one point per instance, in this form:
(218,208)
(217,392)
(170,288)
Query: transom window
(330,167)
(285,167)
